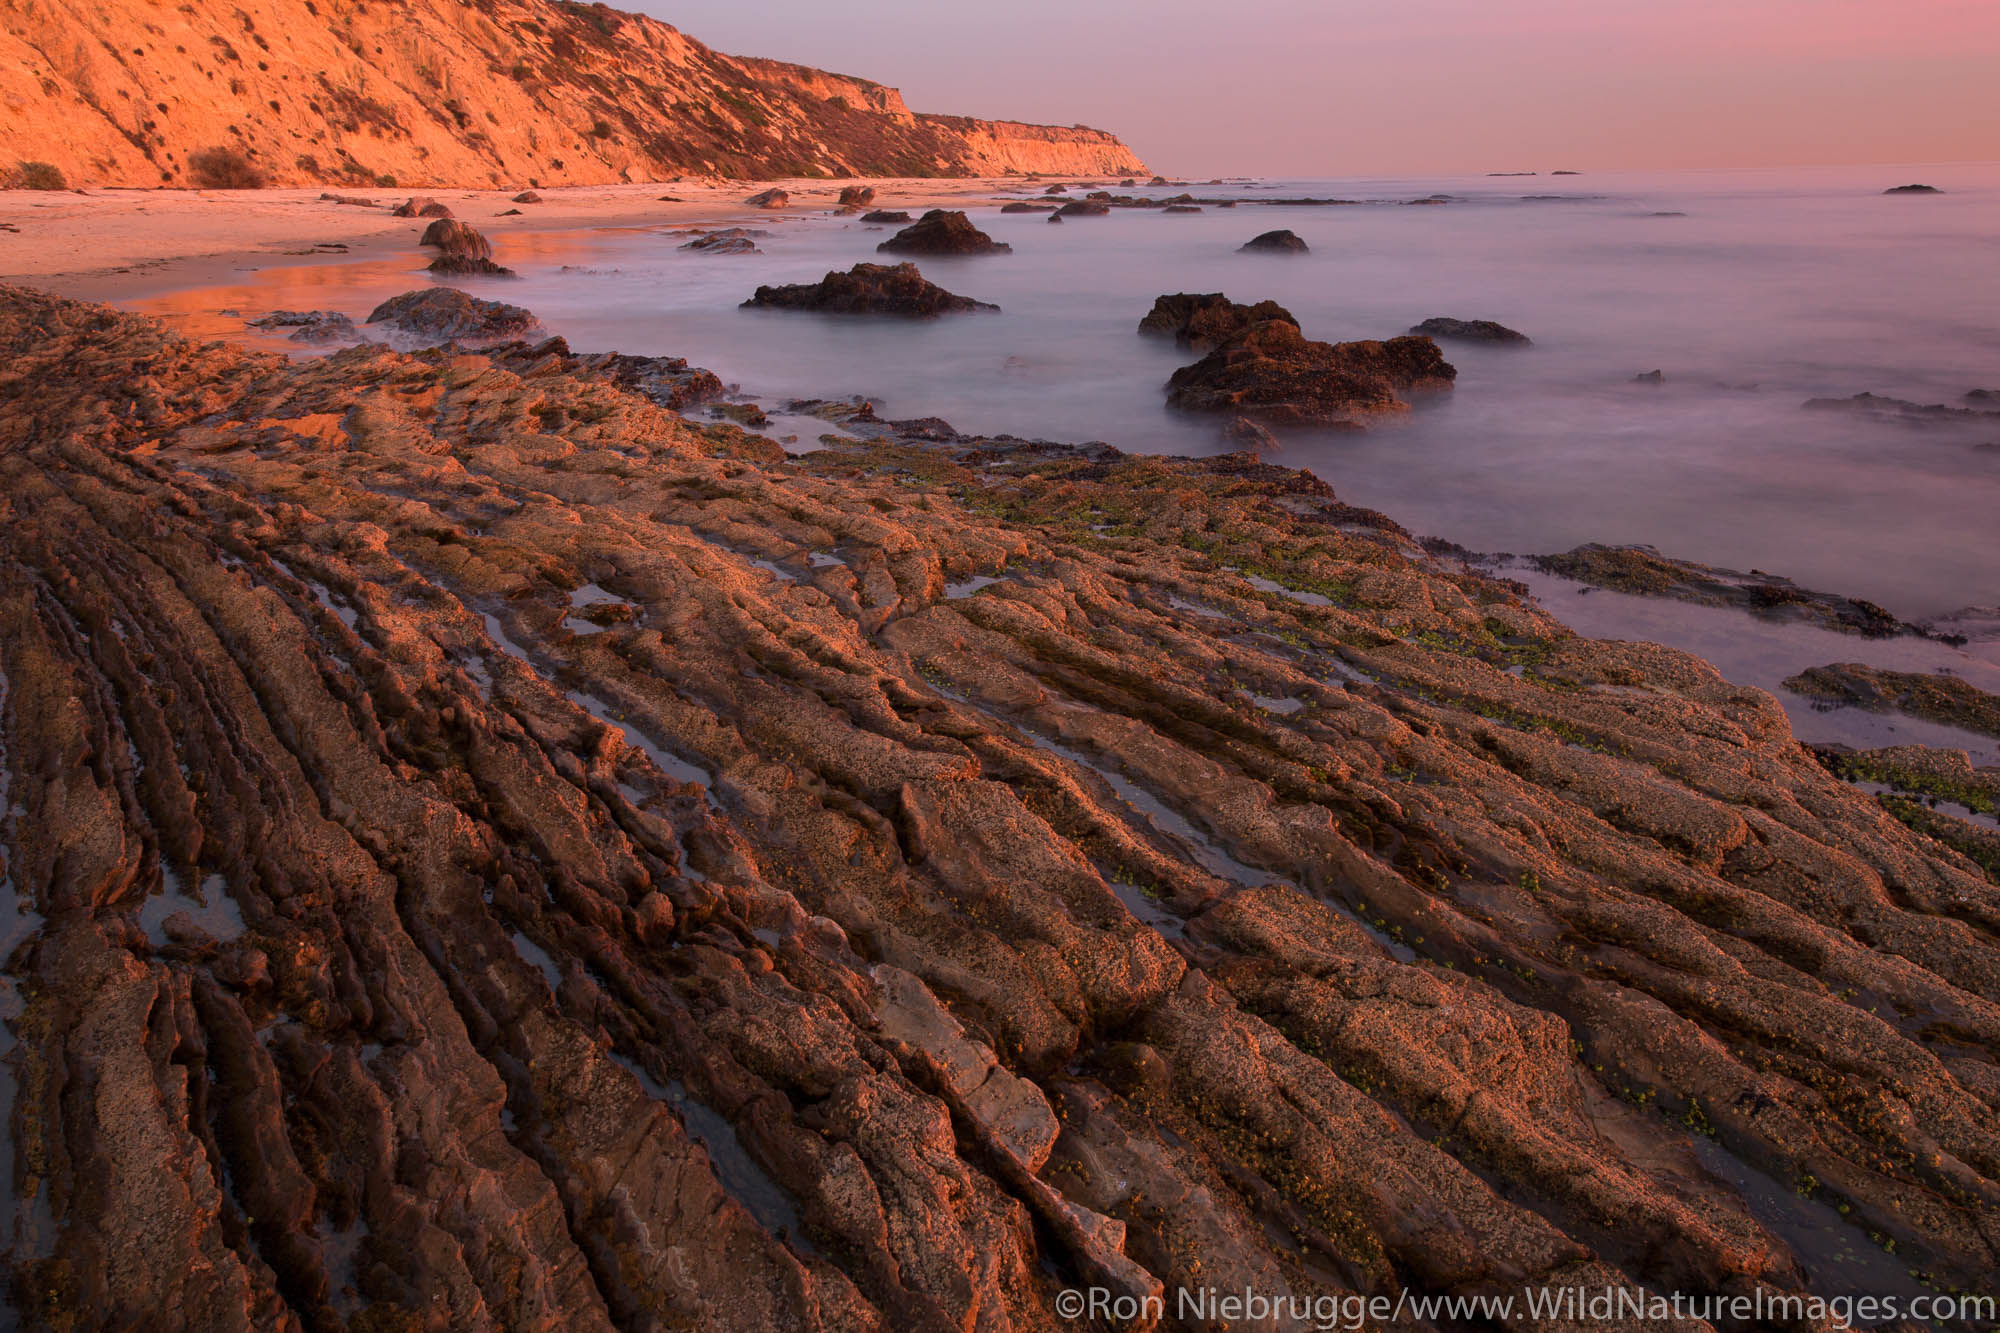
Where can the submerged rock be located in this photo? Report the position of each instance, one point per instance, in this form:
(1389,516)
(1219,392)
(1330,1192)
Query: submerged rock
(445,313)
(1019,207)
(1203,320)
(1279,242)
(1925,694)
(1472,330)
(311,326)
(1905,412)
(942,232)
(1643,571)
(1650,377)
(1081,208)
(727,241)
(1271,371)
(869,289)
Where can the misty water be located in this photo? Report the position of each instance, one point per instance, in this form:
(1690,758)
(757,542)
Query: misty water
(1751,291)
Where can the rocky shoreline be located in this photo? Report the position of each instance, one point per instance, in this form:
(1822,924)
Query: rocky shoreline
(673,884)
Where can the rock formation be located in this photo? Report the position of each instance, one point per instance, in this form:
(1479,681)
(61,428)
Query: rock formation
(1643,571)
(1204,320)
(1272,372)
(434,93)
(449,315)
(1934,697)
(1275,243)
(772,198)
(462,250)
(727,241)
(493,854)
(1472,330)
(857,196)
(943,232)
(869,289)
(886,215)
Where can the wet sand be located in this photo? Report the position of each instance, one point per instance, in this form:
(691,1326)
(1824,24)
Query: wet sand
(108,245)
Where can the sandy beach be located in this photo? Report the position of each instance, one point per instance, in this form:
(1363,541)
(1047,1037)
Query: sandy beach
(106,244)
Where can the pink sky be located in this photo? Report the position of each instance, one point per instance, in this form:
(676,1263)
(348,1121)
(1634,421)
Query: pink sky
(1343,87)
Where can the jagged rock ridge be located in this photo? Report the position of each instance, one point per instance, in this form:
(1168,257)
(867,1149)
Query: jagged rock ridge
(437,93)
(496,855)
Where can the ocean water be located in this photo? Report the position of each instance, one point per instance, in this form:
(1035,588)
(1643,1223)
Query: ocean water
(1750,290)
(1760,290)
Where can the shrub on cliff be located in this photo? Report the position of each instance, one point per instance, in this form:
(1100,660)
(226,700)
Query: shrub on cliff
(223,169)
(36,176)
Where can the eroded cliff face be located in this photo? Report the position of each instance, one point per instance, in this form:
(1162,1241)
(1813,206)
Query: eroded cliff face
(496,855)
(435,92)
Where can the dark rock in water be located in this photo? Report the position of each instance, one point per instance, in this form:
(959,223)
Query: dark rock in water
(886,215)
(1642,571)
(1273,372)
(1430,199)
(869,289)
(1905,412)
(727,241)
(469,266)
(1182,208)
(1565,173)
(1057,189)
(772,198)
(1650,377)
(1275,243)
(1982,396)
(1157,181)
(857,196)
(1253,436)
(456,238)
(1913,189)
(311,326)
(420,208)
(1926,694)
(527,197)
(1472,330)
(743,414)
(446,313)
(1055,217)
(1082,208)
(462,250)
(1018,207)
(1203,320)
(943,232)
(1667,213)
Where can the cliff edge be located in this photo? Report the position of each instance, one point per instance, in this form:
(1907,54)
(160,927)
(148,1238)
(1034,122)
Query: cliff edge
(435,93)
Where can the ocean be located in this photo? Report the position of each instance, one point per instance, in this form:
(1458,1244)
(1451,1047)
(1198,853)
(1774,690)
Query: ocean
(1750,291)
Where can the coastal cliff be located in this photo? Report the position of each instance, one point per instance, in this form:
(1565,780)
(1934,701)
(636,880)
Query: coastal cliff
(490,852)
(439,93)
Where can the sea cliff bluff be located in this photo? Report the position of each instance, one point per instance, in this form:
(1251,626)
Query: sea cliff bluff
(491,853)
(435,92)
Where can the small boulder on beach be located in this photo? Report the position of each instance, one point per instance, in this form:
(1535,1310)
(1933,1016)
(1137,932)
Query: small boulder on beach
(857,196)
(447,314)
(869,289)
(1471,331)
(527,197)
(420,208)
(1275,243)
(886,215)
(943,232)
(772,198)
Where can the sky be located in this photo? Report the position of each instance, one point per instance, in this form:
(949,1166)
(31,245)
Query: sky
(1402,87)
